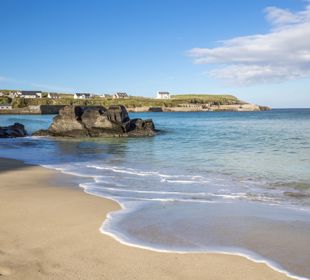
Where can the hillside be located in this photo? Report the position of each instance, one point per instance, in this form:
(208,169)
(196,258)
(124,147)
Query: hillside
(207,98)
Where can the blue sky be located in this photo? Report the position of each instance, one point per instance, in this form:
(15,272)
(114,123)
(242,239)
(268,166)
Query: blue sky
(183,46)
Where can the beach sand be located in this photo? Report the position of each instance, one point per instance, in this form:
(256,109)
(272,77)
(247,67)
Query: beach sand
(51,231)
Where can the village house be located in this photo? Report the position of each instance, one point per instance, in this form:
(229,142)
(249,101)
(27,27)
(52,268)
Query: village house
(11,94)
(5,107)
(14,94)
(53,95)
(163,95)
(82,95)
(105,95)
(119,95)
(30,94)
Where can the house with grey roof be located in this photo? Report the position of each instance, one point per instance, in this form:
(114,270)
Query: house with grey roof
(119,95)
(14,94)
(82,95)
(163,95)
(30,94)
(105,95)
(53,95)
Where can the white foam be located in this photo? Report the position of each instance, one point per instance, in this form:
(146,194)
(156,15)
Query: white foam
(126,171)
(125,240)
(179,181)
(250,256)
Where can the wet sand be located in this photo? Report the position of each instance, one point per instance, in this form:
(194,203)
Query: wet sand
(263,232)
(50,232)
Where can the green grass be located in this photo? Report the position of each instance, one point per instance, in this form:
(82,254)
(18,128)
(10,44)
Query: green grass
(5,100)
(8,90)
(208,98)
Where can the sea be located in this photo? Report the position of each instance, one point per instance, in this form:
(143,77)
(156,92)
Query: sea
(225,182)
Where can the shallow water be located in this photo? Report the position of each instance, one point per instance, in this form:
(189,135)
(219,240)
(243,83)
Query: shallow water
(223,181)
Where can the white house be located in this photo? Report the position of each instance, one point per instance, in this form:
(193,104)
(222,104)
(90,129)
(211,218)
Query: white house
(14,94)
(5,107)
(163,95)
(52,95)
(105,95)
(30,94)
(119,95)
(82,95)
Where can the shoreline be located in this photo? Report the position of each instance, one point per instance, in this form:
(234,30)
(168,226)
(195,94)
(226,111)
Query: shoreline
(54,109)
(251,256)
(167,266)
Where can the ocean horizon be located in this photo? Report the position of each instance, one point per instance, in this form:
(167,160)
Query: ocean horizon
(230,182)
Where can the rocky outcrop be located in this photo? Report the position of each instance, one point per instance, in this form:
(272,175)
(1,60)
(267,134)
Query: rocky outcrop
(155,109)
(246,107)
(12,131)
(188,107)
(77,121)
(264,108)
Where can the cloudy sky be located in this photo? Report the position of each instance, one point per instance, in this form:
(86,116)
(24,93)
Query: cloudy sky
(258,50)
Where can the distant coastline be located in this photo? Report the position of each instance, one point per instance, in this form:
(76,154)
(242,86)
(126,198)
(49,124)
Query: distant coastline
(25,102)
(54,109)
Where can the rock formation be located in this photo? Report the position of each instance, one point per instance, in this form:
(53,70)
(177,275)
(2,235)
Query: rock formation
(15,130)
(77,121)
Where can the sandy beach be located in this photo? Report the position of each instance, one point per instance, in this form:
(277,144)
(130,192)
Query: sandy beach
(51,231)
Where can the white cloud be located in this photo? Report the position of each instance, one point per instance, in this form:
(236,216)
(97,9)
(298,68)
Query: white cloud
(283,17)
(280,17)
(282,54)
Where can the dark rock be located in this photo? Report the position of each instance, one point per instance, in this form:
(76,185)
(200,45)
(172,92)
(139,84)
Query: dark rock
(98,124)
(155,109)
(68,123)
(12,131)
(264,108)
(50,109)
(118,114)
(140,127)
(77,121)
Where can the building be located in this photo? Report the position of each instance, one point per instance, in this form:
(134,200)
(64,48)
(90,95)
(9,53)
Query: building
(119,95)
(53,95)
(5,107)
(14,94)
(30,94)
(163,95)
(105,95)
(82,95)
(11,94)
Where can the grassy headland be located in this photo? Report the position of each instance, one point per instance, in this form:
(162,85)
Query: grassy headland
(131,102)
(177,103)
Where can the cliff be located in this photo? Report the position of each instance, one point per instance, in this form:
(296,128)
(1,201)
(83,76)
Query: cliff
(203,108)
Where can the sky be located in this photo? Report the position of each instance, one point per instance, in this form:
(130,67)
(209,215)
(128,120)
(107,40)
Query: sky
(257,50)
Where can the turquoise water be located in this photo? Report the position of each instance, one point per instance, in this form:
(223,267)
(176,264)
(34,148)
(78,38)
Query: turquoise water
(208,182)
